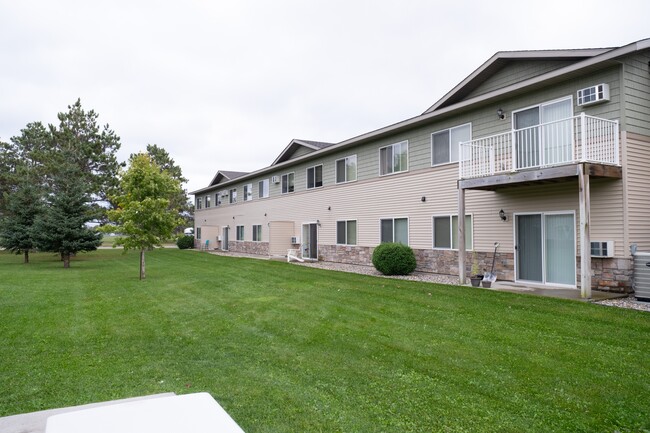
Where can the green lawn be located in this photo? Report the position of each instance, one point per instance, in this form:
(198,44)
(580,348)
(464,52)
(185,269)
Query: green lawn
(291,349)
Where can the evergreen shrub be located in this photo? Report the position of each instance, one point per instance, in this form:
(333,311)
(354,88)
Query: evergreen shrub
(394,259)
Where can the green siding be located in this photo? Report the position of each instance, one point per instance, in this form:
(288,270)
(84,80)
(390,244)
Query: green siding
(517,71)
(637,93)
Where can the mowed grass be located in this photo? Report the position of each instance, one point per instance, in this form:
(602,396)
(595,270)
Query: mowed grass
(285,348)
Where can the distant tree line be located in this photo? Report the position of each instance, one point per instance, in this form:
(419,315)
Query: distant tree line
(56,179)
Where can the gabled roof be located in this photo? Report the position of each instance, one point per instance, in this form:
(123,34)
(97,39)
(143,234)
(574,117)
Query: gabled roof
(456,100)
(296,144)
(225,176)
(503,59)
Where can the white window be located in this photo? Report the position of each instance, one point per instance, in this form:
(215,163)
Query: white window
(257,233)
(287,183)
(207,201)
(198,233)
(346,232)
(217,199)
(248,192)
(240,233)
(445,232)
(199,201)
(233,195)
(315,177)
(445,144)
(263,188)
(346,169)
(394,158)
(395,230)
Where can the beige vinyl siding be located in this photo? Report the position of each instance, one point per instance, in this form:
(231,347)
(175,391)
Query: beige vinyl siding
(209,232)
(280,233)
(366,201)
(607,216)
(517,71)
(637,93)
(638,206)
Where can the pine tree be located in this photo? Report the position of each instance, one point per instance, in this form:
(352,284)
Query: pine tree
(22,207)
(61,228)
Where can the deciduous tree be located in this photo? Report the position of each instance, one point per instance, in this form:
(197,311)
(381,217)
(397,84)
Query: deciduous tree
(143,214)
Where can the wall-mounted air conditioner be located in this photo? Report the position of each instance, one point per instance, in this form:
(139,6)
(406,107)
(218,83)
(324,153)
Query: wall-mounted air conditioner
(602,249)
(275,179)
(295,240)
(593,95)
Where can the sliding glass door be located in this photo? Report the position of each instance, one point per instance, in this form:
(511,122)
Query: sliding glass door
(545,248)
(543,134)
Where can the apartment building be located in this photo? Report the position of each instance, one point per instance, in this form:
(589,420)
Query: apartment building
(544,152)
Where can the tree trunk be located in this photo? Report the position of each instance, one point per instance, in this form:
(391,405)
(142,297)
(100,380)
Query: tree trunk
(66,260)
(26,255)
(142,275)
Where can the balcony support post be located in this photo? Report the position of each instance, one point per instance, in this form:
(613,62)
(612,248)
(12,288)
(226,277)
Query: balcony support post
(585,239)
(461,235)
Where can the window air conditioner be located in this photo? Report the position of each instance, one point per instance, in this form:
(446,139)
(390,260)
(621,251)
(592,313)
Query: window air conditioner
(602,249)
(294,240)
(275,179)
(593,95)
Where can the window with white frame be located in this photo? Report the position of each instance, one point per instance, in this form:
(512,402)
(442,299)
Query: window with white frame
(445,232)
(217,199)
(395,230)
(199,203)
(232,194)
(248,192)
(445,144)
(198,233)
(240,233)
(315,176)
(207,201)
(257,233)
(394,158)
(346,169)
(346,232)
(263,188)
(287,183)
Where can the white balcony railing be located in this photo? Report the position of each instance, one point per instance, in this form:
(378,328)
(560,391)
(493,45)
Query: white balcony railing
(568,141)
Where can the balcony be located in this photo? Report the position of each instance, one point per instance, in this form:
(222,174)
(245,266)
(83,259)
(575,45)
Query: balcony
(546,151)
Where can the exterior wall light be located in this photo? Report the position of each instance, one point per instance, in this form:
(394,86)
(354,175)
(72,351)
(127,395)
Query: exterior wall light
(502,215)
(501,114)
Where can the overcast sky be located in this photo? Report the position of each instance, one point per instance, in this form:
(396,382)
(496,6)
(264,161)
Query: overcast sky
(227,85)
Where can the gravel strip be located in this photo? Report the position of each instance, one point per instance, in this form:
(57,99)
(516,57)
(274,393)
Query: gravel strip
(630,302)
(369,270)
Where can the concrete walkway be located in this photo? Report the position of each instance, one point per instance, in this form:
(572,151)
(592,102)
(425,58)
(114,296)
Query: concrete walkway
(35,422)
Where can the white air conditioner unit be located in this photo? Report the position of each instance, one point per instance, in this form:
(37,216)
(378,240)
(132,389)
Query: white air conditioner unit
(593,95)
(295,240)
(602,249)
(275,179)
